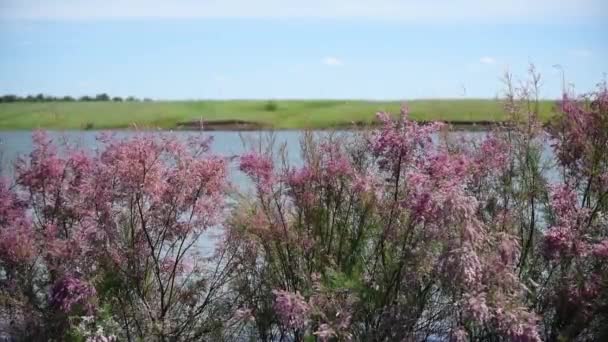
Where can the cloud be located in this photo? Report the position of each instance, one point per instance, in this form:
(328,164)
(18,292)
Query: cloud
(403,10)
(581,53)
(332,61)
(487,60)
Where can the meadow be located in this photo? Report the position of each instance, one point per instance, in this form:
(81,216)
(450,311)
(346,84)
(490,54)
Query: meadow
(279,114)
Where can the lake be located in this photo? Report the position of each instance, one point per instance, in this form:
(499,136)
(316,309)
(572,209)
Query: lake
(225,143)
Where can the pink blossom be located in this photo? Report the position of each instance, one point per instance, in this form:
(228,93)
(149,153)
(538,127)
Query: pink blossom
(124,210)
(477,307)
(492,157)
(10,206)
(399,142)
(558,240)
(363,183)
(334,162)
(259,168)
(518,324)
(563,203)
(292,309)
(508,249)
(17,245)
(300,177)
(600,249)
(70,291)
(471,267)
(437,188)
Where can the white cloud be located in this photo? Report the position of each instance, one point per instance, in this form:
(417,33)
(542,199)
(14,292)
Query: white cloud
(581,53)
(332,61)
(487,60)
(404,10)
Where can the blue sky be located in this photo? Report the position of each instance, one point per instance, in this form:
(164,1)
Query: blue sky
(382,49)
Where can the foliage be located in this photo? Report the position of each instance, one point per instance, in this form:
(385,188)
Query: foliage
(402,232)
(271,106)
(120,228)
(9,98)
(392,234)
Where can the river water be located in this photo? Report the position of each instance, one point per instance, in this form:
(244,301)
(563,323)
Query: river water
(226,143)
(229,143)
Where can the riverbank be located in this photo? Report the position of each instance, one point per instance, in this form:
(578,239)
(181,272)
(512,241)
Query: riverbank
(245,114)
(240,125)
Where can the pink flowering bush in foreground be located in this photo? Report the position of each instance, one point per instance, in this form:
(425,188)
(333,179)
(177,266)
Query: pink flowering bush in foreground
(115,233)
(397,233)
(383,240)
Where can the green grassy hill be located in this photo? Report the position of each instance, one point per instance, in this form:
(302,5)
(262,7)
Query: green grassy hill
(283,114)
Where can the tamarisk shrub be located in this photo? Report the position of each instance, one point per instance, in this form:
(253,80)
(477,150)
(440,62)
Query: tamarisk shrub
(561,216)
(377,237)
(396,233)
(574,295)
(118,230)
(399,234)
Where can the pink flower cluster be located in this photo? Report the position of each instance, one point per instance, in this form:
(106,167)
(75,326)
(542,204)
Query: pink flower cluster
(601,249)
(566,236)
(400,142)
(260,168)
(292,308)
(70,291)
(492,157)
(133,209)
(17,245)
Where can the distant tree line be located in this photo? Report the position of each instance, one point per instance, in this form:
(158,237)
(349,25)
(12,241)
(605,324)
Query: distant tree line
(48,98)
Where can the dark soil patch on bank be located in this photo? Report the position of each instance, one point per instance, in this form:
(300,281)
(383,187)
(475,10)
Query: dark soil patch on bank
(242,125)
(223,125)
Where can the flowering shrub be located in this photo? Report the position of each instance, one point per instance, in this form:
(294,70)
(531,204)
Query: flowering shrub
(574,301)
(118,228)
(396,233)
(70,291)
(391,234)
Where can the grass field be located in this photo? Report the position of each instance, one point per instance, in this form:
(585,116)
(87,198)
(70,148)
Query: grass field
(288,114)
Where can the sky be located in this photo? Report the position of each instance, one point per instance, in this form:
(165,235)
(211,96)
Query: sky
(275,49)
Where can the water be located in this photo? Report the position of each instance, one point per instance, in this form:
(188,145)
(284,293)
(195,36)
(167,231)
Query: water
(19,143)
(226,143)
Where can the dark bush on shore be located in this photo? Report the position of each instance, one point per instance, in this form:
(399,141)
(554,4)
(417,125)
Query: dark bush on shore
(271,106)
(9,98)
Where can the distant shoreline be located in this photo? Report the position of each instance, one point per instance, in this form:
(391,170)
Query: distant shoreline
(238,125)
(242,115)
